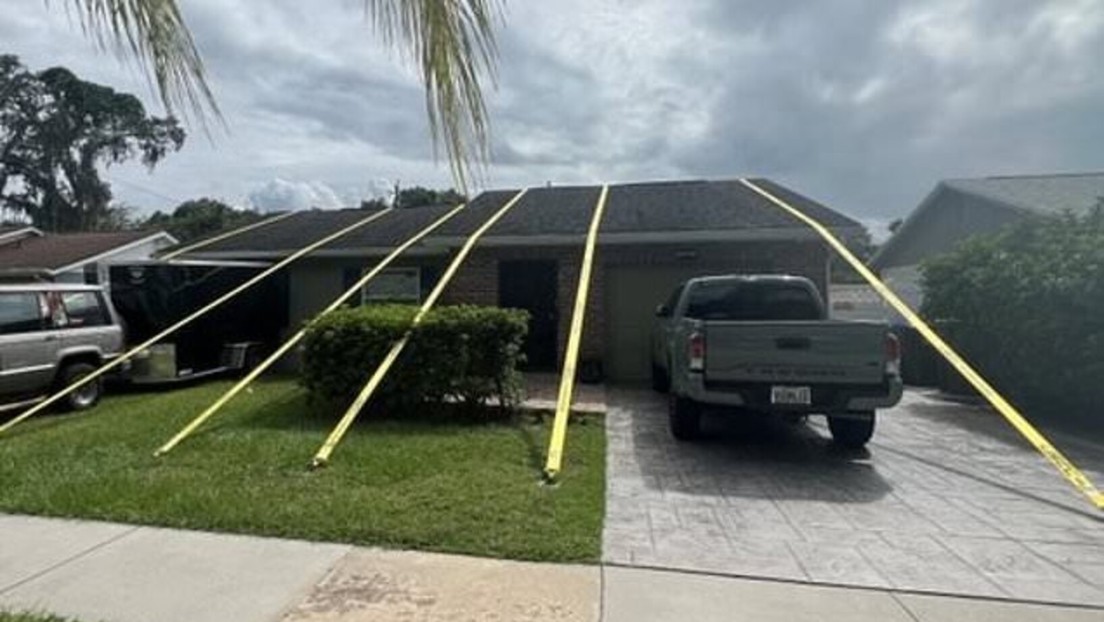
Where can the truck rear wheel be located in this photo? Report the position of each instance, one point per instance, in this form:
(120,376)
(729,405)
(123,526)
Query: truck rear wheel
(684,418)
(852,431)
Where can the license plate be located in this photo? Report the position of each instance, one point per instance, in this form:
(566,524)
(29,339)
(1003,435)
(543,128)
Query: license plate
(802,396)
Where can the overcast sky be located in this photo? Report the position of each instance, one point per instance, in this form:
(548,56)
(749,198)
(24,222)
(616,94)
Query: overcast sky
(861,104)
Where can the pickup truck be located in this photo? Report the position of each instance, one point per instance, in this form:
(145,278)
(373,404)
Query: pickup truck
(763,343)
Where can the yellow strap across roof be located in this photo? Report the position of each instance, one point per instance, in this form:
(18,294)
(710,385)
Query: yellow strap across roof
(554,462)
(225,236)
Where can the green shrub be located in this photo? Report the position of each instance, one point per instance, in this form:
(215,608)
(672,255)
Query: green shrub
(1025,307)
(463,352)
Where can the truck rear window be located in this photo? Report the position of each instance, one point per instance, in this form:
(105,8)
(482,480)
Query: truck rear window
(748,301)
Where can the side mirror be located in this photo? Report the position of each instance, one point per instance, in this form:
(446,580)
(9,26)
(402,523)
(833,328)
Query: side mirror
(662,311)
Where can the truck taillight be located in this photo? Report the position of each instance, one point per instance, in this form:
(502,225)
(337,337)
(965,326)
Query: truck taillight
(696,352)
(893,355)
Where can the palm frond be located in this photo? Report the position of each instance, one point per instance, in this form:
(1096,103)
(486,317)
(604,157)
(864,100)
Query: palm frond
(154,33)
(451,42)
(453,45)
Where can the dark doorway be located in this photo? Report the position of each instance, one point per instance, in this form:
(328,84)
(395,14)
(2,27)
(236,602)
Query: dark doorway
(531,285)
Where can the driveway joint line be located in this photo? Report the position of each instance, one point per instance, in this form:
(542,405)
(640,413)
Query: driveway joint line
(72,558)
(903,606)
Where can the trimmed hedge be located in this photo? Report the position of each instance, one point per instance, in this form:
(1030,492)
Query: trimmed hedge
(464,352)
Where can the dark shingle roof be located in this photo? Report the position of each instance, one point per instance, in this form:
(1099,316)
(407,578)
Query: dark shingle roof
(655,207)
(50,252)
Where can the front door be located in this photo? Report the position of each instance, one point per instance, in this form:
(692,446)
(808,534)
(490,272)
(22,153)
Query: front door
(531,285)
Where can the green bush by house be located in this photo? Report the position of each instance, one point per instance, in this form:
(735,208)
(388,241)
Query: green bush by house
(463,352)
(1026,306)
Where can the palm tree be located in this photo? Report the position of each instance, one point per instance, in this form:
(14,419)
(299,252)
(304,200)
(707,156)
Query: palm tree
(451,42)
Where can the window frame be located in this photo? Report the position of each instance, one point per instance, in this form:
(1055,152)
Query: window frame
(79,320)
(38,304)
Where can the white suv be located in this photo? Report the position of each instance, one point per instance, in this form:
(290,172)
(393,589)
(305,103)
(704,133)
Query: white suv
(50,336)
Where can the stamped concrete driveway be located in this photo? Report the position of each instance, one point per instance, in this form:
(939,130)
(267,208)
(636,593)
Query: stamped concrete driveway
(946,499)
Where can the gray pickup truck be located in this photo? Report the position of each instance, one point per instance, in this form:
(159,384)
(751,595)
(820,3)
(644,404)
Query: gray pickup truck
(764,344)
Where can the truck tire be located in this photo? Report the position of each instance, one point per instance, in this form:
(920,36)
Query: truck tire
(661,382)
(86,396)
(684,418)
(853,431)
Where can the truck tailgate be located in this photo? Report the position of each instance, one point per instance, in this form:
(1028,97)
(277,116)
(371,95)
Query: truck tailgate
(820,352)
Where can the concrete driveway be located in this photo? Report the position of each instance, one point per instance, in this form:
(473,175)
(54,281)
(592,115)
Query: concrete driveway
(947,499)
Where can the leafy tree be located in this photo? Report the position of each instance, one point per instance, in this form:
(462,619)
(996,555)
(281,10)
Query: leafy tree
(200,217)
(374,204)
(895,224)
(421,197)
(1024,306)
(56,131)
(117,217)
(450,43)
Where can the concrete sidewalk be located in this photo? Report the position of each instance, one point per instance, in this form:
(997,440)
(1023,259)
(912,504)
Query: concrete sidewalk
(122,573)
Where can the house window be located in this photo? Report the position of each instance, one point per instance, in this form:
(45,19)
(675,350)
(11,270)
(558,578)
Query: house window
(394,285)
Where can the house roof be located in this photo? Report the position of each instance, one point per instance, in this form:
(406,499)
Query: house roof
(1046,194)
(11,233)
(554,215)
(1023,195)
(54,252)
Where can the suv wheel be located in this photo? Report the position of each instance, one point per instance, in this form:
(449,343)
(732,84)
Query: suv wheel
(853,431)
(86,396)
(684,417)
(661,382)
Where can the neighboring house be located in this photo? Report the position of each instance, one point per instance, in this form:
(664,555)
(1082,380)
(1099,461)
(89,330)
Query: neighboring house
(653,236)
(74,257)
(11,233)
(856,301)
(961,208)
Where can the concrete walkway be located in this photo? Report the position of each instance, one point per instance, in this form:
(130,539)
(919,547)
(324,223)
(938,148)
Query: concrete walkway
(122,573)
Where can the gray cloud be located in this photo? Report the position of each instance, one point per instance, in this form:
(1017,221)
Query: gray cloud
(863,105)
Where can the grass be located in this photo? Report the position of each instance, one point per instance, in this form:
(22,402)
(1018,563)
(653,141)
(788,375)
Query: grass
(10,616)
(431,485)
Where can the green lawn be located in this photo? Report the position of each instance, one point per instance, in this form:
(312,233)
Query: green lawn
(432,485)
(8,616)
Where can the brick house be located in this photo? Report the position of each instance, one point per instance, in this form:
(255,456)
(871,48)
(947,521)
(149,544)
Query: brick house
(653,236)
